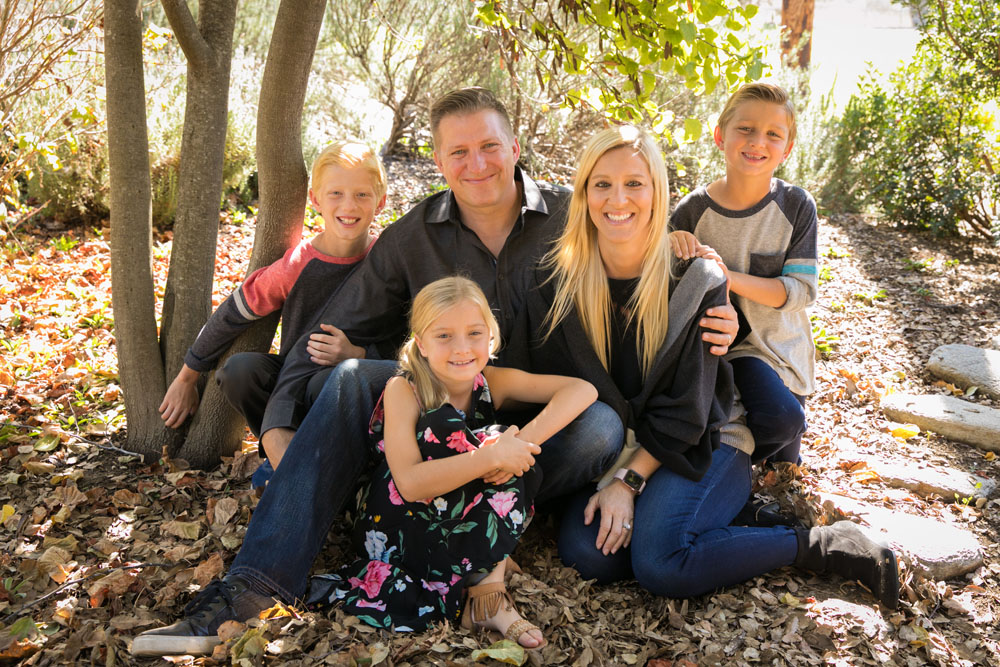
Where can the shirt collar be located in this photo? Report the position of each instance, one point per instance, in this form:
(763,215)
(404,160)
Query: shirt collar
(446,208)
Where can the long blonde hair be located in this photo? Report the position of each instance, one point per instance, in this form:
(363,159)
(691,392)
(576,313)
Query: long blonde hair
(575,260)
(430,303)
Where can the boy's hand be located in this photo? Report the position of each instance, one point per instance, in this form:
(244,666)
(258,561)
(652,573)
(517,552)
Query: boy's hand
(331,348)
(684,244)
(722,328)
(181,399)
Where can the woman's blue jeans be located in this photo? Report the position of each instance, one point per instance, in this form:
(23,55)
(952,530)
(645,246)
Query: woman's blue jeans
(320,470)
(682,543)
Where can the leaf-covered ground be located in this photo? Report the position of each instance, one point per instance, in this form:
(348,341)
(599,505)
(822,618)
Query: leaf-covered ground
(96,546)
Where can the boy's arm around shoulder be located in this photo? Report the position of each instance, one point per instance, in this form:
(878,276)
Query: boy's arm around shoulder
(800,272)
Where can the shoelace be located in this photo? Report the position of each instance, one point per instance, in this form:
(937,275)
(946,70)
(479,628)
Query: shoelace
(207,600)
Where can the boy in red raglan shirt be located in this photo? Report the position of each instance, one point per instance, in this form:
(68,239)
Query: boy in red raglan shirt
(348,189)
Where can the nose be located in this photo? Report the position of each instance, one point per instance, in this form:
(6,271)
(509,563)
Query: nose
(618,195)
(477,161)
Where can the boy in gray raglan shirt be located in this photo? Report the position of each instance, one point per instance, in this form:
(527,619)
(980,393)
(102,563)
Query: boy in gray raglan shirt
(764,231)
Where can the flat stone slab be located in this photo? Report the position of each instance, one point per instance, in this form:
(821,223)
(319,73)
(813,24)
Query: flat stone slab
(938,480)
(952,417)
(967,366)
(940,550)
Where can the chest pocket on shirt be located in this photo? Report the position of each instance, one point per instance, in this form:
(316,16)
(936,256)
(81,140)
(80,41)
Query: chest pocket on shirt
(766,265)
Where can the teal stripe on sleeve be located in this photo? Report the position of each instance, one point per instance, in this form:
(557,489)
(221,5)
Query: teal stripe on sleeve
(799,268)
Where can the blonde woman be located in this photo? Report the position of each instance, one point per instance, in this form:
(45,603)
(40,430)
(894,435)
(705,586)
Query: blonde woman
(610,308)
(454,491)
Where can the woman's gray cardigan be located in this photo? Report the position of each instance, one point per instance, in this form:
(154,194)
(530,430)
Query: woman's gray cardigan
(687,395)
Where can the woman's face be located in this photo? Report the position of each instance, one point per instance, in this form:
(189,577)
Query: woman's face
(620,199)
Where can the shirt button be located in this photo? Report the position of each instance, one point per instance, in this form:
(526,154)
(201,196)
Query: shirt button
(500,277)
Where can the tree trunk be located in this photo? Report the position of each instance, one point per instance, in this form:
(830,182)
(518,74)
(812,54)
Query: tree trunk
(283,187)
(797,23)
(140,367)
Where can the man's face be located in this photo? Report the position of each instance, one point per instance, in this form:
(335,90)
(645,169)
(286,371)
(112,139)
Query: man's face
(476,154)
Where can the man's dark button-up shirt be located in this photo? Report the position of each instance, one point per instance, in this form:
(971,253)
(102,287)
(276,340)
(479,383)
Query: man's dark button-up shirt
(429,242)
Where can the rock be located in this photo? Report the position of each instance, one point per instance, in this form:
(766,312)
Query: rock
(938,549)
(967,366)
(995,342)
(938,480)
(953,418)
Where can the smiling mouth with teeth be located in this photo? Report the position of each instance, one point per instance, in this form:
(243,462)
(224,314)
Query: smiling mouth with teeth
(618,218)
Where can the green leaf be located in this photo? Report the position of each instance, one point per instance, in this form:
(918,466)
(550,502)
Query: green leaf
(24,627)
(47,443)
(504,650)
(692,129)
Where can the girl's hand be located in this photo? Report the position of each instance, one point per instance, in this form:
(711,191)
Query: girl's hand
(684,244)
(497,476)
(616,503)
(511,454)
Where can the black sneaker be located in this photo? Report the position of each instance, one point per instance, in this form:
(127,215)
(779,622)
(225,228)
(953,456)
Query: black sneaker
(226,599)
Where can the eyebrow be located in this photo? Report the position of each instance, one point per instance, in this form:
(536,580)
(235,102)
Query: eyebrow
(635,175)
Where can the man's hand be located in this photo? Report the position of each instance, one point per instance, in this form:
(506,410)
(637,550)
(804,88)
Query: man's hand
(331,348)
(722,328)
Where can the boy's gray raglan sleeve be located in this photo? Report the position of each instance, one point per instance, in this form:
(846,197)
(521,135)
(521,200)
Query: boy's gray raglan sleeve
(228,321)
(800,272)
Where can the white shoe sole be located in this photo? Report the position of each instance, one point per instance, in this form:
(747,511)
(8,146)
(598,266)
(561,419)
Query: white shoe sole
(154,645)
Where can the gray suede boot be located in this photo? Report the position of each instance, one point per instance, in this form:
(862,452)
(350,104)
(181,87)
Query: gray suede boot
(844,549)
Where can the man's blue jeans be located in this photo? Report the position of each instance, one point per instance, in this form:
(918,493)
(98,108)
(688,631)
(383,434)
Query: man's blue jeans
(682,544)
(775,416)
(320,471)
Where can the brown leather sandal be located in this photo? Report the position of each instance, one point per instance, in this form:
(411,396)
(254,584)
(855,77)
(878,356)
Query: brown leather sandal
(483,603)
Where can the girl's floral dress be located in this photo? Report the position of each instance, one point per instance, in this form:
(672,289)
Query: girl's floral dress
(415,556)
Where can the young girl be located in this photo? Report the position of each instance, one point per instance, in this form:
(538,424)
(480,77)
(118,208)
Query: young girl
(764,230)
(453,493)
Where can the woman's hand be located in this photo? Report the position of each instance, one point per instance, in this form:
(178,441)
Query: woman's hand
(511,454)
(616,502)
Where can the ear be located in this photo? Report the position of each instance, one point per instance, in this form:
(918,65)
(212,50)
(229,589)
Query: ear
(717,135)
(313,200)
(420,346)
(517,150)
(437,161)
(788,150)
(380,205)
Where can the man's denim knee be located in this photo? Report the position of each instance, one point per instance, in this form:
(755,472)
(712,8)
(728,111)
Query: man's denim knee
(581,452)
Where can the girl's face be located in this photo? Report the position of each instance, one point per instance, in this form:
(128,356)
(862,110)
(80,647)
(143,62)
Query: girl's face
(620,197)
(457,343)
(755,141)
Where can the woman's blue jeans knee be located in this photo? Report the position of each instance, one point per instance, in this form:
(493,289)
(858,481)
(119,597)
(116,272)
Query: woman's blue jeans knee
(683,545)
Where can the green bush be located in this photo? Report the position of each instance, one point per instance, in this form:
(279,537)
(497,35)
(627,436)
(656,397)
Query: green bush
(920,149)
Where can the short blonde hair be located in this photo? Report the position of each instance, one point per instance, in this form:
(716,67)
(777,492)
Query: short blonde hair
(465,101)
(430,303)
(575,259)
(759,92)
(350,155)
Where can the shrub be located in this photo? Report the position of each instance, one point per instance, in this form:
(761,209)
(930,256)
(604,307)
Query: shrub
(920,149)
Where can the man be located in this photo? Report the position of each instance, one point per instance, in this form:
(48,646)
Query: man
(491,225)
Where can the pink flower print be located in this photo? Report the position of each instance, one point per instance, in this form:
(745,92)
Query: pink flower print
(460,443)
(380,446)
(378,604)
(439,586)
(503,502)
(475,501)
(466,563)
(478,382)
(394,496)
(378,416)
(429,435)
(375,574)
(455,578)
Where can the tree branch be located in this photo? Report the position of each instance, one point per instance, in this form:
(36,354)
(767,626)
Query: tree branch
(194,46)
(970,55)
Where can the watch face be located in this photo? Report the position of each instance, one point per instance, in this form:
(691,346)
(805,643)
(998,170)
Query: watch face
(633,479)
